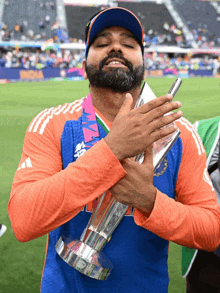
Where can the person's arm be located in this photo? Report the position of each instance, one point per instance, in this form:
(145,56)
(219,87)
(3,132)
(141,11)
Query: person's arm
(194,219)
(43,196)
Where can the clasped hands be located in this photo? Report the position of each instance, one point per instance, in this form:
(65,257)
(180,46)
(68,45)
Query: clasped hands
(134,131)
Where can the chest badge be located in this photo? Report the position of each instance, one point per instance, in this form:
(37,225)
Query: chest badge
(162,168)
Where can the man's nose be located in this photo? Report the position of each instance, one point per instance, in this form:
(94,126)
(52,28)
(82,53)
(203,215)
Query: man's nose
(115,47)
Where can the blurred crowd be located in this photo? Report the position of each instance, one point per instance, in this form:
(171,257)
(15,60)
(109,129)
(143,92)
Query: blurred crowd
(162,61)
(48,59)
(23,33)
(203,38)
(65,59)
(167,34)
(171,34)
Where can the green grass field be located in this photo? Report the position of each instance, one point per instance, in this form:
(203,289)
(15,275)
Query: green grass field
(21,263)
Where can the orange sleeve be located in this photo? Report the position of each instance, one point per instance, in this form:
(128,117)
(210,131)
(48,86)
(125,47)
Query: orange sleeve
(193,220)
(43,196)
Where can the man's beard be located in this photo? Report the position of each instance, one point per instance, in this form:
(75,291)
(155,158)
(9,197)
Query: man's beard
(117,79)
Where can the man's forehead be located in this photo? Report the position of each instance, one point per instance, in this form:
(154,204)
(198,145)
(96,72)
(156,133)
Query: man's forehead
(111,29)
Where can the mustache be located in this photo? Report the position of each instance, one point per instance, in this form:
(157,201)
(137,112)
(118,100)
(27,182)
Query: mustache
(115,55)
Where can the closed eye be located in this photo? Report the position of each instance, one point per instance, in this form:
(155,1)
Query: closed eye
(102,45)
(129,46)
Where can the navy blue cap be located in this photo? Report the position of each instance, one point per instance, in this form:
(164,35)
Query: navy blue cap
(115,16)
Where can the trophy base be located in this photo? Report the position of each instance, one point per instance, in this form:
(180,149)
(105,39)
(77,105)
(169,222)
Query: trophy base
(83,258)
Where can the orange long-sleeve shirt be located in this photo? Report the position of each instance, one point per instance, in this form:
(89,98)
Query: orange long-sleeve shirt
(44,196)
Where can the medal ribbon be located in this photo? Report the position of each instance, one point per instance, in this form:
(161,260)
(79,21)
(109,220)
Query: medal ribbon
(91,132)
(89,123)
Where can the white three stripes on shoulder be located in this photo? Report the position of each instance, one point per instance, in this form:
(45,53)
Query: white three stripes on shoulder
(195,135)
(41,120)
(26,164)
(38,117)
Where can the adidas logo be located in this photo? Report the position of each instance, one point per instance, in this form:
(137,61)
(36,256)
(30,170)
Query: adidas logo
(26,164)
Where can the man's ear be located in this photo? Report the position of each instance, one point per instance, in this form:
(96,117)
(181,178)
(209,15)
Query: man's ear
(84,69)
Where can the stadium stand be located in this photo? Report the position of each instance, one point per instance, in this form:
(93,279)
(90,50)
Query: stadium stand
(152,16)
(201,18)
(77,18)
(160,26)
(18,17)
(26,52)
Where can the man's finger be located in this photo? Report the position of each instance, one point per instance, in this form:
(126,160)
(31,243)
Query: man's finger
(148,156)
(164,110)
(154,104)
(160,122)
(163,132)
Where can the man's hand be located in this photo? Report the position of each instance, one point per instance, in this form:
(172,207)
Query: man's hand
(136,189)
(133,131)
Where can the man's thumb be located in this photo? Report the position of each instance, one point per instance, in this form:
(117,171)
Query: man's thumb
(126,106)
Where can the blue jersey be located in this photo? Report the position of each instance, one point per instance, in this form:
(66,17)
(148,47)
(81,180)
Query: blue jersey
(58,180)
(138,255)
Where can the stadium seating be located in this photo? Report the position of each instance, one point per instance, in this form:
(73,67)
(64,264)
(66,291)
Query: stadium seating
(152,16)
(199,14)
(77,18)
(18,11)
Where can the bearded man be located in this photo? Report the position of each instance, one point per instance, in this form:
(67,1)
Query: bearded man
(70,158)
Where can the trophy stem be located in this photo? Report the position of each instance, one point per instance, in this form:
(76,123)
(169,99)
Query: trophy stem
(101,227)
(85,255)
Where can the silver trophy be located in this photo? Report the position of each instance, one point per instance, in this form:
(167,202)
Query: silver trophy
(85,254)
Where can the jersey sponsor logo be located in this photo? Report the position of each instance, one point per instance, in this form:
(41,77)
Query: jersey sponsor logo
(26,164)
(80,150)
(40,122)
(207,179)
(195,135)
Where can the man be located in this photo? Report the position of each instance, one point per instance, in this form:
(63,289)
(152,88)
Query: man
(202,268)
(69,159)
